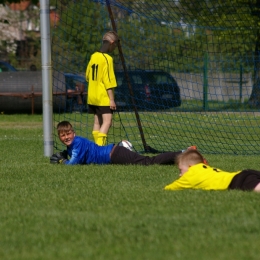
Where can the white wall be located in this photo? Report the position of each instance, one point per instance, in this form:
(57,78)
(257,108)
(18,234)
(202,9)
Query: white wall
(221,86)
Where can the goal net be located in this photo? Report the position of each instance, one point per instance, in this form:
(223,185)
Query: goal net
(187,72)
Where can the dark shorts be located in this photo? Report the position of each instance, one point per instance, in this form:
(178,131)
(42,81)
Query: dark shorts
(245,180)
(98,110)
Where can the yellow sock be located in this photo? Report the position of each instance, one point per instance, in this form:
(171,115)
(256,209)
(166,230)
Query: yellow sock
(102,139)
(95,135)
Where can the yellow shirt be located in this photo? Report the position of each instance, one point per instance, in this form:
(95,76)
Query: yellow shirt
(204,177)
(100,76)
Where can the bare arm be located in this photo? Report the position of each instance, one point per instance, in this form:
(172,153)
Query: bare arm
(111,97)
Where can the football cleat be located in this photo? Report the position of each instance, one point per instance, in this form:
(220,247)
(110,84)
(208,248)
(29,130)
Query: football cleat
(193,147)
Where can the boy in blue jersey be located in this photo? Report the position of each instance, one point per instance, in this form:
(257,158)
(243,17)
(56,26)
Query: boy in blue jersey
(84,151)
(194,174)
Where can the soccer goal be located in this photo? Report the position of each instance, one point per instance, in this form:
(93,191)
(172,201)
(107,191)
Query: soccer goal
(187,72)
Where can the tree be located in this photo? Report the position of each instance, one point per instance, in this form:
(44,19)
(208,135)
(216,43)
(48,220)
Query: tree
(77,34)
(235,30)
(254,99)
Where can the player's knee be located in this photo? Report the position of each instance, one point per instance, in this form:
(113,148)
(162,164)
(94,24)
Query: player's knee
(108,123)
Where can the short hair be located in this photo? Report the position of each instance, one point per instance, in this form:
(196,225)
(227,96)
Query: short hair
(64,126)
(190,157)
(111,36)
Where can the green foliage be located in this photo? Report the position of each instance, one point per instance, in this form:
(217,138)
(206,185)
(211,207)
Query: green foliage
(115,212)
(166,35)
(226,20)
(74,38)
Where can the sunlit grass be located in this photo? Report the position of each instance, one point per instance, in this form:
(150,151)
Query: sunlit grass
(115,212)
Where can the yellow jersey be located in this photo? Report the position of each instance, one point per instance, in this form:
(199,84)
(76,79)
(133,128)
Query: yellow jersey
(100,76)
(204,177)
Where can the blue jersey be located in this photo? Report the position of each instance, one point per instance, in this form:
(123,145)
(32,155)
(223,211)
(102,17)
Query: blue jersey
(83,151)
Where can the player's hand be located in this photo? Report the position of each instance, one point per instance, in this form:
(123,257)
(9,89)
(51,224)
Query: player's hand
(58,158)
(112,105)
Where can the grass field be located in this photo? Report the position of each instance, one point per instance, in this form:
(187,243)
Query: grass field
(115,212)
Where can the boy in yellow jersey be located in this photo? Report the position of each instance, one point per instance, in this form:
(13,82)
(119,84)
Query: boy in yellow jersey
(101,82)
(194,174)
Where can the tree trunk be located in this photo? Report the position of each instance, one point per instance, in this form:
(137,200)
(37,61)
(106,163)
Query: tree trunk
(254,100)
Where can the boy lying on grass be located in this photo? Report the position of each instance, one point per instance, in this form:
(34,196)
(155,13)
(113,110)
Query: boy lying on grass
(194,174)
(83,151)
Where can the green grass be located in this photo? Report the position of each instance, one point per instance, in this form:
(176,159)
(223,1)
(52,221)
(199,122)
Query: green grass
(115,212)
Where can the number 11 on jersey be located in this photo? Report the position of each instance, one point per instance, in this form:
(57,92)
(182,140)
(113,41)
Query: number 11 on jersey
(94,72)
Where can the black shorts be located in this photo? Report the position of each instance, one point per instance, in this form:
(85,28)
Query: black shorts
(245,180)
(99,110)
